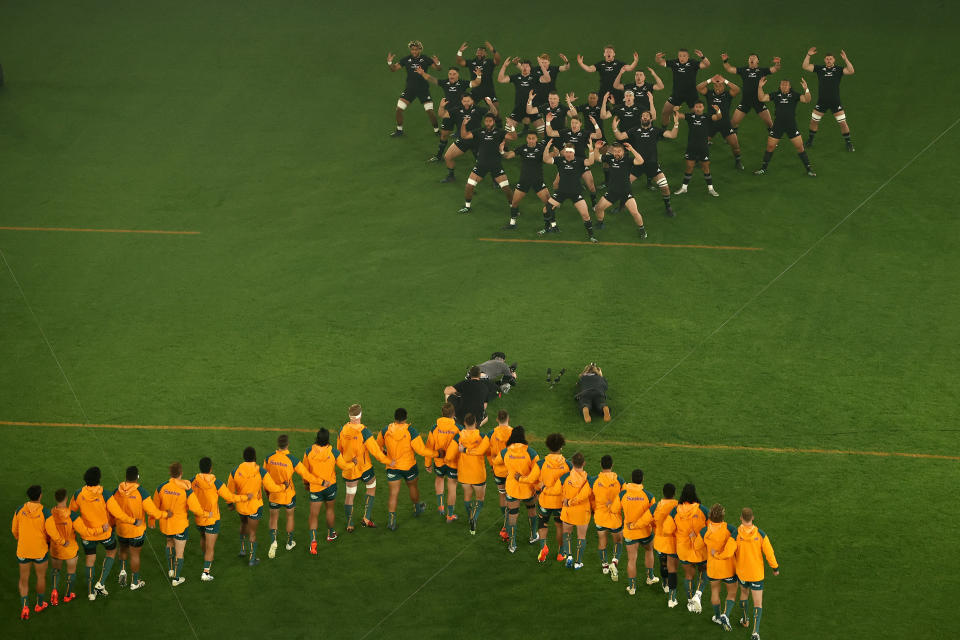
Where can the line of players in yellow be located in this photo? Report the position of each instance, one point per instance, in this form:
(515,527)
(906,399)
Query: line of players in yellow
(679,529)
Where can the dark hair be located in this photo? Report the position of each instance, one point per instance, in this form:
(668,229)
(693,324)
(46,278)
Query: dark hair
(689,494)
(469,420)
(132,474)
(323,437)
(555,442)
(474,370)
(176,470)
(637,476)
(669,490)
(448,410)
(91,477)
(606,462)
(283,441)
(683,50)
(746,514)
(498,354)
(249,454)
(577,459)
(525,61)
(60,495)
(34,491)
(400,415)
(205,464)
(518,435)
(502,415)
(829,54)
(453,67)
(716,513)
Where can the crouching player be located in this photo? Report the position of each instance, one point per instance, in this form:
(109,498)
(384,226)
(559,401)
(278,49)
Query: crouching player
(721,541)
(321,460)
(209,490)
(753,546)
(399,441)
(636,503)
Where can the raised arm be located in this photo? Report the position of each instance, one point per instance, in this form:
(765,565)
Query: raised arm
(732,88)
(466,134)
(460,59)
(615,128)
(762,95)
(717,114)
(776,64)
(442,109)
(633,65)
(391,64)
(566,63)
(661,59)
(658,85)
(571,108)
(704,60)
(637,158)
(426,76)
(807,65)
(604,114)
(551,132)
(436,63)
(702,86)
(502,76)
(493,50)
(672,134)
(532,110)
(724,58)
(617,82)
(547,159)
(848,68)
(589,68)
(653,109)
(806,97)
(494,109)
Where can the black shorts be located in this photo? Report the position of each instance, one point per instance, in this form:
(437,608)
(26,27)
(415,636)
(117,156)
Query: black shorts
(595,400)
(519,113)
(526,186)
(614,197)
(572,197)
(648,168)
(447,124)
(723,127)
(698,154)
(747,105)
(689,98)
(410,94)
(779,130)
(828,105)
(465,144)
(480,96)
(495,170)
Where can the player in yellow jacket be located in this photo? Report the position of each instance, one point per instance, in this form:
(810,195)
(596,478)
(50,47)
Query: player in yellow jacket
(356,441)
(63,546)
(208,490)
(498,440)
(399,442)
(440,439)
(753,546)
(550,499)
(523,477)
(249,478)
(665,544)
(176,498)
(322,460)
(130,500)
(281,465)
(91,503)
(576,510)
(685,522)
(471,446)
(606,487)
(720,539)
(635,501)
(32,548)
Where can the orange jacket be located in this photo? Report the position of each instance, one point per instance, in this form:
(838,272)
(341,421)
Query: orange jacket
(440,438)
(322,463)
(606,488)
(29,528)
(61,532)
(576,495)
(356,441)
(752,545)
(552,468)
(399,441)
(523,473)
(176,496)
(250,478)
(662,541)
(635,501)
(91,504)
(209,490)
(128,503)
(281,466)
(721,541)
(471,446)
(685,522)
(498,440)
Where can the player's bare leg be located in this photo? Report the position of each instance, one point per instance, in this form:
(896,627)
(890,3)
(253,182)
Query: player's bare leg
(584,212)
(591,185)
(734,141)
(666,113)
(453,152)
(797,142)
(402,105)
(637,218)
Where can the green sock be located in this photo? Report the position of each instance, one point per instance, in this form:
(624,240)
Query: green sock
(41,598)
(348,510)
(107,567)
(391,518)
(368,508)
(728,609)
(469,505)
(206,566)
(176,574)
(89,580)
(330,532)
(440,500)
(565,549)
(743,607)
(253,550)
(169,559)
(533,525)
(448,510)
(757,612)
(23,601)
(581,545)
(313,535)
(243,544)
(603,555)
(649,573)
(716,610)
(689,585)
(136,577)
(543,540)
(273,535)
(512,532)
(477,507)
(289,537)
(703,581)
(70,578)
(633,583)
(617,548)
(54,577)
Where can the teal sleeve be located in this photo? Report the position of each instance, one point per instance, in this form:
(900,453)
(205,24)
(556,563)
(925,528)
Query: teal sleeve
(143,493)
(218,483)
(334,452)
(366,434)
(413,432)
(622,493)
(294,461)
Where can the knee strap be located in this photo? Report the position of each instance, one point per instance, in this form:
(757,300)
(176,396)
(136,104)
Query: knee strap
(513,512)
(372,484)
(815,117)
(840,117)
(401,105)
(471,182)
(351,490)
(428,106)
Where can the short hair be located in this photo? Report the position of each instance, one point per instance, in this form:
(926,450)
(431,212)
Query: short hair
(716,513)
(533,133)
(91,477)
(415,43)
(132,474)
(829,55)
(554,93)
(453,67)
(502,416)
(518,435)
(612,146)
(469,420)
(354,410)
(606,462)
(576,119)
(34,492)
(249,454)
(636,476)
(746,514)
(498,354)
(283,441)
(489,115)
(608,46)
(400,414)
(206,464)
(60,495)
(629,92)
(669,490)
(578,460)
(689,494)
(474,370)
(323,437)
(684,50)
(448,410)
(176,470)
(525,61)
(753,55)
(593,93)
(555,442)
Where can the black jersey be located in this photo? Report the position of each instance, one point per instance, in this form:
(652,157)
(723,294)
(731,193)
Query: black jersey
(543,89)
(531,163)
(751,82)
(786,108)
(629,116)
(644,140)
(684,76)
(830,77)
(569,172)
(640,92)
(487,71)
(411,64)
(698,129)
(618,172)
(721,100)
(453,91)
(488,145)
(586,112)
(476,118)
(523,85)
(559,115)
(579,140)
(608,73)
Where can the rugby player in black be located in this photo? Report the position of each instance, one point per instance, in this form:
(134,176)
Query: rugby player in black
(644,139)
(456,115)
(551,107)
(523,86)
(416,87)
(609,68)
(720,93)
(546,74)
(489,148)
(619,170)
(588,111)
(628,112)
(640,87)
(570,168)
(785,122)
(698,133)
(828,92)
(453,89)
(531,175)
(750,75)
(579,138)
(684,88)
(483,67)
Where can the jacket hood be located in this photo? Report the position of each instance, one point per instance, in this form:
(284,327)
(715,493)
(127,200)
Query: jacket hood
(205,480)
(32,510)
(687,510)
(128,489)
(91,493)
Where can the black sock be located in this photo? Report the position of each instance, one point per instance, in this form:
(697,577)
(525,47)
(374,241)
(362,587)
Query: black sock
(672,580)
(805,159)
(450,172)
(588,224)
(736,157)
(846,136)
(440,147)
(708,178)
(686,178)
(812,133)
(666,201)
(734,129)
(640,228)
(663,568)
(514,212)
(766,159)
(593,198)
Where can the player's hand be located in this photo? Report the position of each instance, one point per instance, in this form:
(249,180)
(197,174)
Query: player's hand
(616,122)
(488,100)
(580,58)
(66,543)
(650,70)
(716,108)
(803,82)
(659,55)
(138,522)
(763,81)
(776,572)
(724,56)
(843,54)
(636,57)
(698,52)
(628,146)
(607,97)
(390,58)
(209,514)
(169,514)
(249,496)
(488,45)
(462,48)
(436,60)
(530,96)
(550,116)
(571,97)
(594,122)
(105,528)
(776,60)
(549,143)
(811,51)
(563,57)
(443,103)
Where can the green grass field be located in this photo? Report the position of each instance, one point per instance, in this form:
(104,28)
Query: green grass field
(330,267)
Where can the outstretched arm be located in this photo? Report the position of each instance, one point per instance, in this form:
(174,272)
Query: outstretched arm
(848,69)
(493,50)
(547,159)
(604,114)
(390,62)
(807,65)
(704,60)
(672,134)
(762,95)
(653,109)
(661,59)
(566,63)
(436,63)
(702,86)
(589,68)
(806,97)
(633,65)
(502,76)
(658,85)
(732,88)
(426,76)
(776,64)
(617,82)
(460,60)
(729,68)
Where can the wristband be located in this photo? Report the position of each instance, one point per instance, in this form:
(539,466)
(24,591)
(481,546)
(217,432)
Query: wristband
(725,81)
(806,90)
(459,53)
(389,64)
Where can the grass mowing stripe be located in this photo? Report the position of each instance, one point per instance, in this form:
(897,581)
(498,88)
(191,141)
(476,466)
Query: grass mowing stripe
(144,231)
(623,244)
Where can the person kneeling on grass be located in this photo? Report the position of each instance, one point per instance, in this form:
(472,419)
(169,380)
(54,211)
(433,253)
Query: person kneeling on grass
(592,392)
